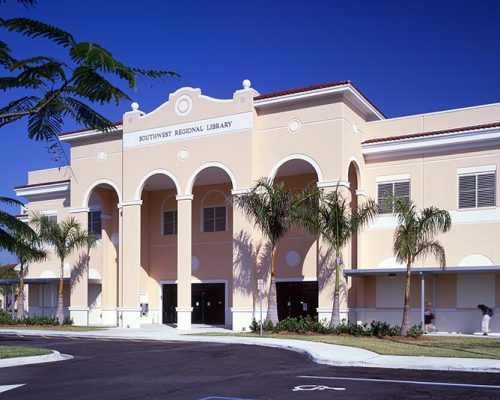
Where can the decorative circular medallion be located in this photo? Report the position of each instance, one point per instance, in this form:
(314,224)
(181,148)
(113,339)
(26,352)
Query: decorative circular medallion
(102,155)
(195,263)
(294,125)
(183,105)
(293,258)
(183,154)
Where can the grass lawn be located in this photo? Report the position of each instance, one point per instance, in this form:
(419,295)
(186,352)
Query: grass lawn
(431,346)
(19,351)
(52,328)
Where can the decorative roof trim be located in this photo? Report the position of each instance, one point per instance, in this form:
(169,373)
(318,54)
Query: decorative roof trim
(452,140)
(424,270)
(271,99)
(86,132)
(42,188)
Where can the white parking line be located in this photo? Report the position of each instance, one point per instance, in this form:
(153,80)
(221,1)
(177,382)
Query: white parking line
(338,378)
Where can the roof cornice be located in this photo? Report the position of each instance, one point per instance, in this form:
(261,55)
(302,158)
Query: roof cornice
(86,133)
(43,188)
(316,91)
(432,142)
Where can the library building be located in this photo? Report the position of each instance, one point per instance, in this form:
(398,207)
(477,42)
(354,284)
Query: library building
(172,249)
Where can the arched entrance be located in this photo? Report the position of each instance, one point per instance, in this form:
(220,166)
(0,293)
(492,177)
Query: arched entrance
(296,255)
(212,245)
(158,250)
(103,265)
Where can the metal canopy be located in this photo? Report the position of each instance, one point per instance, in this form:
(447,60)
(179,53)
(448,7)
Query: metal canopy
(421,270)
(40,281)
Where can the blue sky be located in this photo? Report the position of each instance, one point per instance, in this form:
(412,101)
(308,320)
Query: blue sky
(406,57)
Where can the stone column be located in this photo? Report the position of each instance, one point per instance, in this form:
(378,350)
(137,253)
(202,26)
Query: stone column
(129,310)
(79,268)
(184,228)
(245,296)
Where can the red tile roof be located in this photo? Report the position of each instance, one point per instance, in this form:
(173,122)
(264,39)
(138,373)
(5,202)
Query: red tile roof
(301,89)
(433,133)
(43,184)
(309,88)
(118,123)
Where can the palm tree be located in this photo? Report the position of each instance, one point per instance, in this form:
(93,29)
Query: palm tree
(63,86)
(414,239)
(271,207)
(10,227)
(65,237)
(27,250)
(331,216)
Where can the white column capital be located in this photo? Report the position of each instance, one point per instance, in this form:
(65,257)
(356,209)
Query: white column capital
(130,203)
(79,210)
(332,184)
(237,192)
(181,197)
(361,193)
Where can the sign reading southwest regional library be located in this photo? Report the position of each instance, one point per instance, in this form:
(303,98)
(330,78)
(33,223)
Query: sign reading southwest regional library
(206,127)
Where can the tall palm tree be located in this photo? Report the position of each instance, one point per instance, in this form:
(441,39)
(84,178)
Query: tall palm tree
(331,216)
(27,250)
(414,238)
(66,237)
(271,207)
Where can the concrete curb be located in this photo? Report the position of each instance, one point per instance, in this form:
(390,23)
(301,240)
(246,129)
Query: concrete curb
(17,361)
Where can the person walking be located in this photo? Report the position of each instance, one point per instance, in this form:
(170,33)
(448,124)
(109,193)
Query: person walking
(428,317)
(485,321)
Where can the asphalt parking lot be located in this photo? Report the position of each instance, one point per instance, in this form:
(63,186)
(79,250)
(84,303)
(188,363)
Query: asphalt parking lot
(133,369)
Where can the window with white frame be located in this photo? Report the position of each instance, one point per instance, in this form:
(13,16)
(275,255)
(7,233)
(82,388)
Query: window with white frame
(170,222)
(476,188)
(387,190)
(214,219)
(94,223)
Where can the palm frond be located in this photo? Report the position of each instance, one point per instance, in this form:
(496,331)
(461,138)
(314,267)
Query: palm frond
(89,84)
(33,29)
(9,113)
(46,123)
(87,116)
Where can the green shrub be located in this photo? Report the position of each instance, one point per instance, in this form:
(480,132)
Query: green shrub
(350,328)
(415,331)
(310,324)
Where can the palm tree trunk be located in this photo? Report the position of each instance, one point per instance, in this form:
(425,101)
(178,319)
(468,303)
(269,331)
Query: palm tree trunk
(272,302)
(59,311)
(405,325)
(20,296)
(336,295)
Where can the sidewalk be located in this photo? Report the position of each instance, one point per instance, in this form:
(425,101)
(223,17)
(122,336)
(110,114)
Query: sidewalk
(321,353)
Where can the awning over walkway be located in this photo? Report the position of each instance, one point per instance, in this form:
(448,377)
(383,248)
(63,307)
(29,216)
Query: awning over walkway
(39,281)
(421,270)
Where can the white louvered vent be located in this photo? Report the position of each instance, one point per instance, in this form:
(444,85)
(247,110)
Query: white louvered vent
(399,189)
(477,190)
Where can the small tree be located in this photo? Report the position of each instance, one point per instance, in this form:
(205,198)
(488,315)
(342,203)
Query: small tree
(66,237)
(271,207)
(27,249)
(330,215)
(414,238)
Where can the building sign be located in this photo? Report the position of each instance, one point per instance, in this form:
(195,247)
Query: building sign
(206,127)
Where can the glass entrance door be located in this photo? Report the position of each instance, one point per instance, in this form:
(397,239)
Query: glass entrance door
(169,304)
(208,303)
(297,299)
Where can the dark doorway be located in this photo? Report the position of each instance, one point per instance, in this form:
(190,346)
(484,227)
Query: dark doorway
(169,304)
(207,299)
(297,299)
(208,303)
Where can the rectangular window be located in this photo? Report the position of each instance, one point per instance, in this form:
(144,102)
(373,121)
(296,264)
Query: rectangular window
(214,219)
(386,190)
(95,225)
(170,222)
(477,190)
